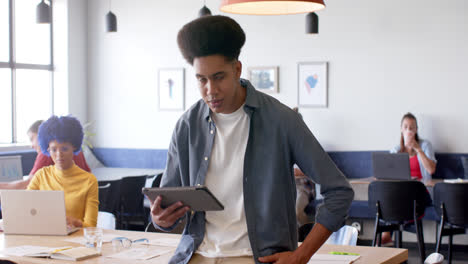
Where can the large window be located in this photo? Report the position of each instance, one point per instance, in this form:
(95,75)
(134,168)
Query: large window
(26,69)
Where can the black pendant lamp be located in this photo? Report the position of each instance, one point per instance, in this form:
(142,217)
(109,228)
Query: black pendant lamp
(312,23)
(204,11)
(43,13)
(111,21)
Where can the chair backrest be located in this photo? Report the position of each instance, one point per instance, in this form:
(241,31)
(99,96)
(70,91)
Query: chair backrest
(464,160)
(157,180)
(106,220)
(109,193)
(396,199)
(346,235)
(131,197)
(104,192)
(455,199)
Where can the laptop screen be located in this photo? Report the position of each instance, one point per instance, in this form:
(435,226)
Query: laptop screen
(387,166)
(10,168)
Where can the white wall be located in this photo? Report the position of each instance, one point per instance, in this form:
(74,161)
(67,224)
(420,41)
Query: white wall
(385,58)
(78,59)
(70,58)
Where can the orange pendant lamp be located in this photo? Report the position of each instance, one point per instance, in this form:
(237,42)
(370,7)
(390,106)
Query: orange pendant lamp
(271,7)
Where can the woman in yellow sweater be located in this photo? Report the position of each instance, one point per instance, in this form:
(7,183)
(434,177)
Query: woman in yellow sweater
(60,138)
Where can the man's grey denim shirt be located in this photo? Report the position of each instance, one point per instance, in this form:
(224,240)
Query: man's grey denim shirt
(278,139)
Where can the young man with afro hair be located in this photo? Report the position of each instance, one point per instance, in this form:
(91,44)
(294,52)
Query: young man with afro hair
(242,144)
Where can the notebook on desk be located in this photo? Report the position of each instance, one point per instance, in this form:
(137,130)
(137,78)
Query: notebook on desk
(34,213)
(388,166)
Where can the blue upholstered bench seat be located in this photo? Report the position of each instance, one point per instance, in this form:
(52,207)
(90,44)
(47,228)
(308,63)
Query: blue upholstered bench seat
(354,164)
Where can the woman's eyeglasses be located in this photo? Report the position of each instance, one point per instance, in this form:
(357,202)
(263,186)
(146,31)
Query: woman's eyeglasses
(119,243)
(61,149)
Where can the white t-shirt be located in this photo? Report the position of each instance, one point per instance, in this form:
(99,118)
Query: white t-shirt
(226,231)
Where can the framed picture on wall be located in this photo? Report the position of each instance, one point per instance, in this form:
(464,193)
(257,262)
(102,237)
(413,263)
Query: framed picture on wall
(171,89)
(264,79)
(312,90)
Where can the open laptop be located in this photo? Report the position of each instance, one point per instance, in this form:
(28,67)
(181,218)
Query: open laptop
(34,213)
(387,166)
(10,168)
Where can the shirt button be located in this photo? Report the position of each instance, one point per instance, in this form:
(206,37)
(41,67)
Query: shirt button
(211,132)
(206,158)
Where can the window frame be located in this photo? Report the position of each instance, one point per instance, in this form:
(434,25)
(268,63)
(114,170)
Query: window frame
(13,66)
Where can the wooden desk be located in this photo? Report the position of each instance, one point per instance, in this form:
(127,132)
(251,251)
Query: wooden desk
(368,254)
(58,241)
(375,255)
(361,187)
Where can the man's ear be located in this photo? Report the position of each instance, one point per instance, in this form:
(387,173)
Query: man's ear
(238,68)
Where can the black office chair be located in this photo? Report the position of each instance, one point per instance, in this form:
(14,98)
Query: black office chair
(131,203)
(399,205)
(450,202)
(157,180)
(303,231)
(464,161)
(109,193)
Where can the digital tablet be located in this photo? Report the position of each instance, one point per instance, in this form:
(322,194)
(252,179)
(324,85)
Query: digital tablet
(198,198)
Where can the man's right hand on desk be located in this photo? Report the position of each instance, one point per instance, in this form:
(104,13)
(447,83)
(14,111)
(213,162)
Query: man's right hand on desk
(168,216)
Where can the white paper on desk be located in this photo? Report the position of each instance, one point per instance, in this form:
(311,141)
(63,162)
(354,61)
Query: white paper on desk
(165,242)
(139,253)
(106,238)
(459,180)
(28,250)
(332,259)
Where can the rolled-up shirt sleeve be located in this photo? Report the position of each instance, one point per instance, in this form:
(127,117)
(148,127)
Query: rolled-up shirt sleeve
(427,148)
(318,166)
(171,176)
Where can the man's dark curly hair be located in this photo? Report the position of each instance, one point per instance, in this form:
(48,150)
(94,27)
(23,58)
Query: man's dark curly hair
(211,35)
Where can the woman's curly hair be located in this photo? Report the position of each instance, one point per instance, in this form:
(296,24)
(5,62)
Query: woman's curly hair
(211,35)
(63,129)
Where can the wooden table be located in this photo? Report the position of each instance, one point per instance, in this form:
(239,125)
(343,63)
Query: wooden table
(368,254)
(361,187)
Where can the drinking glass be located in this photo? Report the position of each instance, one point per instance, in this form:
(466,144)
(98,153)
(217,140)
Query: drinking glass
(93,237)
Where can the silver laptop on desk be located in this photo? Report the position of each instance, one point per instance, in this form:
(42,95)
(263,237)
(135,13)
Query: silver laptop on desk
(34,213)
(387,166)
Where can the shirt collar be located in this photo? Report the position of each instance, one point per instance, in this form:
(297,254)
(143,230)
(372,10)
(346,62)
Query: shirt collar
(251,100)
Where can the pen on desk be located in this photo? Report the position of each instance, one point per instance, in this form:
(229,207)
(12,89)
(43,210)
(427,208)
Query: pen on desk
(343,253)
(61,249)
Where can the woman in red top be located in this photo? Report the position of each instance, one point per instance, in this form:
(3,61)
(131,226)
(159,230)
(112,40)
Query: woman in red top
(41,160)
(421,155)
